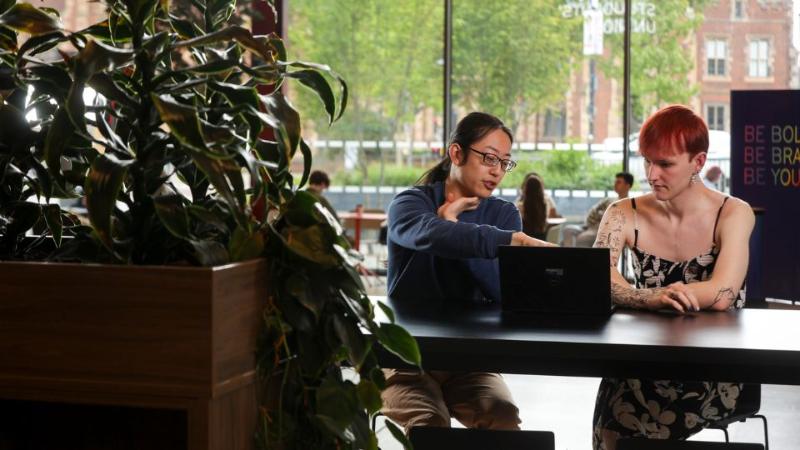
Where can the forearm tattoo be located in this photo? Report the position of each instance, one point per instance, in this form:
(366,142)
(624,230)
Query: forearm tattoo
(611,233)
(724,294)
(631,297)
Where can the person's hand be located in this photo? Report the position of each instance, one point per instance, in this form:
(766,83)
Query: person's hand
(676,296)
(523,240)
(452,206)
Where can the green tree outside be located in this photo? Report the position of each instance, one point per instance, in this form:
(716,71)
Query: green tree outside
(515,58)
(661,62)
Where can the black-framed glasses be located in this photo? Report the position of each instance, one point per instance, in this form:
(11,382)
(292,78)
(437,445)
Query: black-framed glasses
(491,160)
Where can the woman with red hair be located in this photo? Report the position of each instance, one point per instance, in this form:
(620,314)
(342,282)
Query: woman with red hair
(690,252)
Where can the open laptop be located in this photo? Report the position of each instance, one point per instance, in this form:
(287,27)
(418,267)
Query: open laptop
(555,280)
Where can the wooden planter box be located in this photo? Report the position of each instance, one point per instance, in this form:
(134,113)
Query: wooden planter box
(154,338)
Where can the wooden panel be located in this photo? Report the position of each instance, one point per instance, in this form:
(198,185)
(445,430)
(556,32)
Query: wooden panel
(125,328)
(239,299)
(232,420)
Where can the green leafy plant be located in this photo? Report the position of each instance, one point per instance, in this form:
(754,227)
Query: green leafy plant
(170,157)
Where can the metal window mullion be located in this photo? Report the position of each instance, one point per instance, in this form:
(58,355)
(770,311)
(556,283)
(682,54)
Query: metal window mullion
(448,71)
(626,102)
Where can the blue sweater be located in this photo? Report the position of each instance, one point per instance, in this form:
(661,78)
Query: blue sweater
(433,258)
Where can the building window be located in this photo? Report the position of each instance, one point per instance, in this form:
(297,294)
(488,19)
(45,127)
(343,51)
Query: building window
(758,66)
(716,57)
(715,117)
(555,124)
(738,9)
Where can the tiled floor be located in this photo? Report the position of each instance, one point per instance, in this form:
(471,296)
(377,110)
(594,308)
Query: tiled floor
(565,405)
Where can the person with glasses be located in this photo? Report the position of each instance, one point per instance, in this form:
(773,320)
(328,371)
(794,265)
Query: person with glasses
(442,241)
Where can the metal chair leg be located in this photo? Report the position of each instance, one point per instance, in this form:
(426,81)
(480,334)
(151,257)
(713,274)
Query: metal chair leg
(375,421)
(766,435)
(725,430)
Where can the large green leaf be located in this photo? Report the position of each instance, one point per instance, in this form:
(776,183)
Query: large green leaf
(52,216)
(276,43)
(13,124)
(210,253)
(140,10)
(42,43)
(307,159)
(57,140)
(55,81)
(317,83)
(344,92)
(182,121)
(29,19)
(354,342)
(284,119)
(108,88)
(186,29)
(387,311)
(103,184)
(22,216)
(310,243)
(300,288)
(370,395)
(398,341)
(225,176)
(94,57)
(171,211)
(240,95)
(5,4)
(399,435)
(337,406)
(240,34)
(245,245)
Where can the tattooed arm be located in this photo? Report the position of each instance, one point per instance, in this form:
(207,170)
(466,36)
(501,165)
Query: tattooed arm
(614,233)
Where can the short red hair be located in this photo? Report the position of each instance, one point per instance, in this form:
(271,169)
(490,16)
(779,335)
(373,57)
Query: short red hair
(674,129)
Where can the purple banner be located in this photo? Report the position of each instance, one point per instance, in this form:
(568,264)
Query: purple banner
(765,172)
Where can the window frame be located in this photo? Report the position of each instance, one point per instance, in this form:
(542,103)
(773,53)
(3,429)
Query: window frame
(761,62)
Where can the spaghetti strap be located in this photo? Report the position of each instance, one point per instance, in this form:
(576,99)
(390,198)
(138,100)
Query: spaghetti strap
(716,222)
(635,224)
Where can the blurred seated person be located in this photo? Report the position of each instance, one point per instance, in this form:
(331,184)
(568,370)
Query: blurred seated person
(690,253)
(584,235)
(533,208)
(318,183)
(712,178)
(551,205)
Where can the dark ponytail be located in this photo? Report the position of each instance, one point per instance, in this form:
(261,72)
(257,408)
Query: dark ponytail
(472,128)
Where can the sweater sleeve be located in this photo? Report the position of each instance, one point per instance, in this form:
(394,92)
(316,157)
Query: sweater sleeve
(487,272)
(414,224)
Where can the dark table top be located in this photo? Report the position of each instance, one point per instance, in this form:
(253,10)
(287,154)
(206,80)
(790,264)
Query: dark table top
(750,345)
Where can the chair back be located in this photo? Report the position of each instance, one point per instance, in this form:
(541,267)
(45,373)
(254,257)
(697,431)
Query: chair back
(553,234)
(436,438)
(665,444)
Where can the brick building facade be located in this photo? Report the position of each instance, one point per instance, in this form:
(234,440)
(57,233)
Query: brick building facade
(742,44)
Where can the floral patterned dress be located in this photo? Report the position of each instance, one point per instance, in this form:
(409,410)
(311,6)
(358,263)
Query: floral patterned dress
(664,409)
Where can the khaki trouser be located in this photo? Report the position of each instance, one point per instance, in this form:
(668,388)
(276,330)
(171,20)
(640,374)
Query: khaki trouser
(431,398)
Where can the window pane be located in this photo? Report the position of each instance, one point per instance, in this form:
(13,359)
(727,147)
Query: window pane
(754,52)
(390,53)
(560,90)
